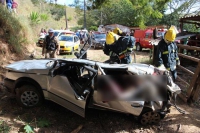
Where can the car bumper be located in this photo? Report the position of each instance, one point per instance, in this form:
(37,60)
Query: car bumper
(99,44)
(10,85)
(66,50)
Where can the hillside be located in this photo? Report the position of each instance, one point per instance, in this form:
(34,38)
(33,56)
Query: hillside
(26,7)
(11,25)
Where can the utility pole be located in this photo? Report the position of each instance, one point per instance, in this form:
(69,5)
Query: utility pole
(66,16)
(84,16)
(101,17)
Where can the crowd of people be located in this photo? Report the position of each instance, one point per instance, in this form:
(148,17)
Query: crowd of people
(11,5)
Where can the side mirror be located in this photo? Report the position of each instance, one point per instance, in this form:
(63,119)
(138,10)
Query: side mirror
(155,33)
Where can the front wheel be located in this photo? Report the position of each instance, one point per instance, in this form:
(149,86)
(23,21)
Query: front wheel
(28,96)
(138,47)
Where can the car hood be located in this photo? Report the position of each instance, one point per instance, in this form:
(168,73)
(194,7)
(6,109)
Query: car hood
(136,68)
(100,39)
(66,43)
(30,66)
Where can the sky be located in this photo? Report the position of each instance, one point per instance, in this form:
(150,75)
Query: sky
(67,2)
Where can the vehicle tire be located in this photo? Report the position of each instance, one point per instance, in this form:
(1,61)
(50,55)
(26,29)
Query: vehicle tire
(29,96)
(138,47)
(149,117)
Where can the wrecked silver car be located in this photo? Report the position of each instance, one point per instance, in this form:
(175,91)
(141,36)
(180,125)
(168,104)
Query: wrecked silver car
(74,84)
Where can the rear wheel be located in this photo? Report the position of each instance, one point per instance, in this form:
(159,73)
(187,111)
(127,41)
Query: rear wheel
(150,117)
(29,96)
(138,47)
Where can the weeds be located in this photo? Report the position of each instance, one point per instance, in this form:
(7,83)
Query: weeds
(4,128)
(44,17)
(35,18)
(13,31)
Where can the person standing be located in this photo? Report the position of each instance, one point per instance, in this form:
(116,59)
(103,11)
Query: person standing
(167,53)
(14,6)
(119,46)
(51,45)
(9,5)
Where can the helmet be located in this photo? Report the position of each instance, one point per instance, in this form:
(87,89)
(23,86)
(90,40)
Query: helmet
(50,30)
(111,38)
(117,31)
(170,35)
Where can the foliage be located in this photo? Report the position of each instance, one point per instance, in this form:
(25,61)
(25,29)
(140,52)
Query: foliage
(37,2)
(95,28)
(177,9)
(28,129)
(34,17)
(124,12)
(4,128)
(69,18)
(44,17)
(13,31)
(58,11)
(76,28)
(43,123)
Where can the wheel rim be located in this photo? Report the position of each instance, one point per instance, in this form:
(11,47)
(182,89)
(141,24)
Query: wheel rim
(29,98)
(138,47)
(150,118)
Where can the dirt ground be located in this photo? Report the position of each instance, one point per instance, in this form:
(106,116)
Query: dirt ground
(52,118)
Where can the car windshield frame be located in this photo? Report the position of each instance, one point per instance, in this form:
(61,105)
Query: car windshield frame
(66,38)
(100,36)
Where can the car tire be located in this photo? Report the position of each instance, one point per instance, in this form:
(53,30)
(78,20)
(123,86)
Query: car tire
(138,47)
(149,117)
(29,96)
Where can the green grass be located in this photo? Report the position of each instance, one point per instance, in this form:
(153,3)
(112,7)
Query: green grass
(13,31)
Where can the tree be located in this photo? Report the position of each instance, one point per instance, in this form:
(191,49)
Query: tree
(57,11)
(141,10)
(179,8)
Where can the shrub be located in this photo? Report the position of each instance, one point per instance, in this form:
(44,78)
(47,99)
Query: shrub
(44,17)
(35,18)
(69,18)
(93,28)
(13,31)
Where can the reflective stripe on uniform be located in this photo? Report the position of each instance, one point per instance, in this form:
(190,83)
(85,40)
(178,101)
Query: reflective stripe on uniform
(123,52)
(130,49)
(110,53)
(165,52)
(168,68)
(177,58)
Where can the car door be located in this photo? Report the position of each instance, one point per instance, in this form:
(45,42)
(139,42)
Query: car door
(77,42)
(130,106)
(62,93)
